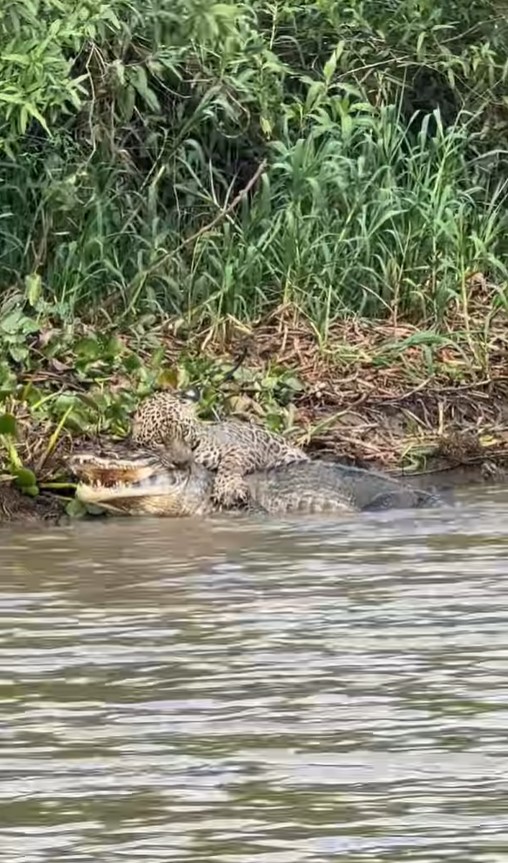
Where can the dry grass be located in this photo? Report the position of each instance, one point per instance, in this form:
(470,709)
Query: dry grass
(387,394)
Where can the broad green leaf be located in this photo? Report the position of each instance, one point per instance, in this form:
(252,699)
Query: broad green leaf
(75,509)
(33,286)
(25,478)
(18,352)
(12,322)
(7,424)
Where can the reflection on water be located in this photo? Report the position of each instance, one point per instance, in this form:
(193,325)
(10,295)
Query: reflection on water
(247,691)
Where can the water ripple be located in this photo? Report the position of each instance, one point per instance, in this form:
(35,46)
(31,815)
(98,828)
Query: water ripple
(291,692)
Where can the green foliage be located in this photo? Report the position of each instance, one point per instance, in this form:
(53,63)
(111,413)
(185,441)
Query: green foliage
(77,381)
(128,130)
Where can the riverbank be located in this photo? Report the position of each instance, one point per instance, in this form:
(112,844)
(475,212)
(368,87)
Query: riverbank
(378,394)
(397,396)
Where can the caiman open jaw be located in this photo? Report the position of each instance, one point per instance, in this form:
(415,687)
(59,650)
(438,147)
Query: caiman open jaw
(121,483)
(107,469)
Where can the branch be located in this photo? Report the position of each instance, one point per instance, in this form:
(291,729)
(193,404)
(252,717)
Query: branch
(218,218)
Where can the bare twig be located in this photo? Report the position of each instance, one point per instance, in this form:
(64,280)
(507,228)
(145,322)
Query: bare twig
(218,218)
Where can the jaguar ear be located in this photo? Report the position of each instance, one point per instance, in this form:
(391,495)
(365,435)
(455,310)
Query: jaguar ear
(191,394)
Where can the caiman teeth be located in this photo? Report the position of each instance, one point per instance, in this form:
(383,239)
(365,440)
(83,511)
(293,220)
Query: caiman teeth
(94,483)
(114,485)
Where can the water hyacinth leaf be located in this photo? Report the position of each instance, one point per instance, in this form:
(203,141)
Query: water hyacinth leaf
(31,490)
(113,347)
(18,352)
(25,478)
(168,378)
(66,402)
(12,323)
(77,422)
(132,363)
(88,349)
(7,424)
(75,509)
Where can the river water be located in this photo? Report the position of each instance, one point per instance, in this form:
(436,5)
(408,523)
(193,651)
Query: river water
(257,692)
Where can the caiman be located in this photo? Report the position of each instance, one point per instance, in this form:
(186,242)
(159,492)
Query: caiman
(231,448)
(147,482)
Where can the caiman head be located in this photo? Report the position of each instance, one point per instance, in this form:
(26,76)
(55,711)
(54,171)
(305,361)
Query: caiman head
(128,479)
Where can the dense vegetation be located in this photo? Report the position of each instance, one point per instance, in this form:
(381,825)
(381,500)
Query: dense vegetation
(206,161)
(375,132)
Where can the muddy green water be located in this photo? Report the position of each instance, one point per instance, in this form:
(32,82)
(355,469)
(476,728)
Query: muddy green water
(257,692)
